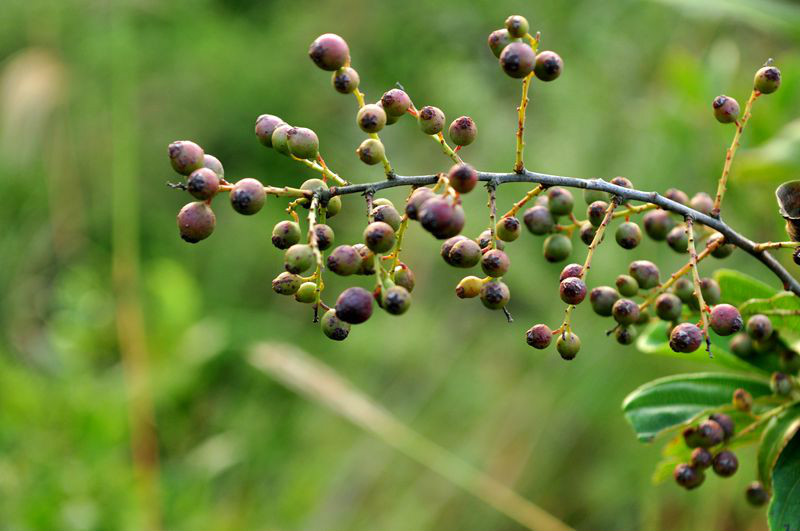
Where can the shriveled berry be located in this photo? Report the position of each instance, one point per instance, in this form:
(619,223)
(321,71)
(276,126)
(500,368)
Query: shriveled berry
(560,201)
(416,200)
(465,253)
(587,232)
(367,266)
(686,338)
(462,178)
(345,80)
(725,463)
(379,237)
(568,345)
(430,120)
(185,156)
(280,139)
(596,212)
(495,295)
(725,422)
(684,289)
(602,299)
(668,307)
(742,400)
(759,327)
(212,163)
(701,458)
(571,270)
(756,494)
(627,285)
(767,79)
(203,183)
(645,273)
(329,51)
(396,300)
(572,290)
(448,245)
(548,66)
(371,151)
(657,224)
(679,196)
(196,221)
(484,240)
(248,196)
(517,26)
(702,202)
(395,102)
(298,258)
(404,276)
(286,283)
(354,305)
(388,214)
(463,131)
(324,235)
(628,235)
(285,234)
(539,336)
(499,39)
(508,229)
(265,126)
(371,118)
(725,319)
(780,383)
(469,287)
(688,476)
(557,247)
(517,59)
(539,220)
(495,263)
(677,239)
(625,335)
(625,312)
(333,327)
(722,251)
(726,109)
(306,293)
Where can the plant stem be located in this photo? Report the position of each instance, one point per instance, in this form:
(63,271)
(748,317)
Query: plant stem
(696,279)
(492,204)
(519,163)
(312,241)
(776,245)
(398,246)
(538,189)
(322,168)
(446,149)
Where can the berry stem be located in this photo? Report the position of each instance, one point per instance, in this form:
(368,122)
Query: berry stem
(322,168)
(446,149)
(776,245)
(538,189)
(492,204)
(626,213)
(726,168)
(519,164)
(312,241)
(696,280)
(398,245)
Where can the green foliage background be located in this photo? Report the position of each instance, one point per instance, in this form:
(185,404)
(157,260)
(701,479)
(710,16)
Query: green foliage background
(91,92)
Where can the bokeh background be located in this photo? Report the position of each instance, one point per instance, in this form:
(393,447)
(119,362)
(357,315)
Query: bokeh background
(108,320)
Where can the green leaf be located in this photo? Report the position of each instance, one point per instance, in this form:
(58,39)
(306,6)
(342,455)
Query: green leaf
(737,288)
(668,402)
(784,509)
(783,310)
(777,434)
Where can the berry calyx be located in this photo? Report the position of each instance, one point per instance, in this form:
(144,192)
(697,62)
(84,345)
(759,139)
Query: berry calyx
(539,336)
(354,305)
(329,52)
(196,222)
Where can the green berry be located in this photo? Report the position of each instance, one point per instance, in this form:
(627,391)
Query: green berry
(196,221)
(557,247)
(333,207)
(645,273)
(354,305)
(462,177)
(212,163)
(688,476)
(416,200)
(315,186)
(592,196)
(725,463)
(465,253)
(725,319)
(285,234)
(548,66)
(756,494)
(668,307)
(568,345)
(388,214)
(396,300)
(280,139)
(677,239)
(686,338)
(248,196)
(625,312)
(628,235)
(324,235)
(185,156)
(203,183)
(379,237)
(767,80)
(367,266)
(602,300)
(679,196)
(627,285)
(539,220)
(702,202)
(333,327)
(306,293)
(303,143)
(499,39)
(286,283)
(517,26)
(781,384)
(371,151)
(759,327)
(711,291)
(469,287)
(508,229)
(657,224)
(431,120)
(395,102)
(517,60)
(298,258)
(463,131)
(539,336)
(345,80)
(329,52)
(726,109)
(495,263)
(344,260)
(587,232)
(371,118)
(724,250)
(560,201)
(684,289)
(495,295)
(404,276)
(572,290)
(625,335)
(265,126)
(596,212)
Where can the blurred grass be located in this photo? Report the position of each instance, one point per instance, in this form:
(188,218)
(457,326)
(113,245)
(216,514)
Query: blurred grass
(82,105)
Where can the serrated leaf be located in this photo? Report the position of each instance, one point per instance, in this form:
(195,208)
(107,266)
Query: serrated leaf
(784,508)
(777,434)
(668,402)
(737,288)
(782,309)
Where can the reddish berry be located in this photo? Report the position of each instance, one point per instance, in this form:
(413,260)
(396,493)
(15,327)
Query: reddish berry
(726,109)
(463,131)
(329,52)
(686,338)
(248,196)
(539,336)
(725,319)
(548,66)
(572,290)
(185,156)
(196,221)
(203,183)
(354,305)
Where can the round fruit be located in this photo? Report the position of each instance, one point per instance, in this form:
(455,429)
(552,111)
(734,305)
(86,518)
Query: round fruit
(329,52)
(767,80)
(285,234)
(539,336)
(345,80)
(668,307)
(404,276)
(587,232)
(469,287)
(388,214)
(495,263)
(557,247)
(517,26)
(280,139)
(395,102)
(212,163)
(495,295)
(298,258)
(548,66)
(725,463)
(701,458)
(517,59)
(657,224)
(725,319)
(303,143)
(625,335)
(333,327)
(756,494)
(677,239)
(499,39)
(465,253)
(688,476)
(508,229)
(722,251)
(759,327)
(265,126)
(306,293)
(686,338)
(286,283)
(571,270)
(596,212)
(379,237)
(371,118)
(463,131)
(448,245)
(203,183)
(679,196)
(627,285)
(462,177)
(431,120)
(324,235)
(625,312)
(726,109)
(602,300)
(185,156)
(702,202)
(560,201)
(371,151)
(628,235)
(684,289)
(396,300)
(354,305)
(416,200)
(568,345)
(572,290)
(248,196)
(539,220)
(645,273)
(196,221)
(367,266)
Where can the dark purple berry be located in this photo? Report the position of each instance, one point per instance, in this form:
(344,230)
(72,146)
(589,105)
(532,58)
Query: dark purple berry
(248,196)
(625,335)
(417,199)
(185,156)
(686,338)
(602,300)
(517,60)
(679,196)
(701,458)
(725,319)
(196,221)
(702,202)
(596,212)
(571,270)
(495,263)
(625,312)
(725,422)
(756,494)
(396,300)
(572,290)
(587,232)
(539,336)
(437,216)
(668,307)
(688,477)
(709,433)
(548,66)
(726,109)
(329,52)
(725,463)
(759,327)
(344,260)
(498,40)
(448,245)
(203,183)
(463,131)
(285,234)
(354,305)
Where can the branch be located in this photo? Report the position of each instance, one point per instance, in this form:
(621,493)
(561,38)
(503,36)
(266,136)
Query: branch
(731,236)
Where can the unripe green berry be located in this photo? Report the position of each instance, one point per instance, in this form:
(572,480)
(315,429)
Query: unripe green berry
(572,290)
(702,202)
(495,263)
(657,224)
(430,120)
(726,109)
(679,196)
(539,220)
(767,80)
(596,212)
(759,327)
(644,317)
(549,66)
(495,295)
(484,241)
(185,156)
(560,201)
(462,177)
(324,235)
(285,234)
(465,253)
(334,206)
(469,287)
(367,260)
(557,247)
(701,458)
(539,336)
(592,196)
(625,312)
(306,293)
(404,276)
(568,345)
(602,300)
(781,384)
(684,289)
(756,495)
(517,26)
(668,307)
(416,200)
(280,139)
(463,131)
(265,126)
(344,260)
(587,232)
(724,250)
(298,258)
(315,186)
(248,196)
(371,118)
(345,80)
(354,305)
(645,273)
(628,235)
(379,237)
(396,300)
(303,143)
(710,290)
(677,239)
(725,319)
(625,335)
(627,285)
(333,327)
(203,183)
(508,229)
(371,151)
(725,463)
(517,59)
(742,400)
(688,476)
(329,51)
(388,214)
(196,221)
(395,102)
(686,338)
(212,163)
(286,283)
(499,39)
(448,245)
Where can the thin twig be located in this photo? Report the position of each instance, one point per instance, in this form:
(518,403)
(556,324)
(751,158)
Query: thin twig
(698,292)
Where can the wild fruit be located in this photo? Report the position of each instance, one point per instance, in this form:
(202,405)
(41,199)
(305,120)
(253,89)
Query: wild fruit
(568,345)
(686,338)
(396,300)
(286,283)
(725,319)
(495,263)
(463,131)
(557,247)
(539,220)
(759,327)
(354,305)
(560,201)
(668,307)
(517,59)
(725,463)
(285,234)
(185,156)
(469,287)
(726,109)
(333,327)
(462,177)
(395,102)
(767,80)
(379,237)
(203,183)
(465,253)
(628,235)
(329,52)
(517,26)
(602,300)
(430,120)
(248,196)
(572,290)
(371,151)
(495,295)
(196,222)
(303,142)
(625,312)
(548,66)
(345,80)
(371,118)
(539,336)
(508,229)
(645,273)
(265,126)
(298,258)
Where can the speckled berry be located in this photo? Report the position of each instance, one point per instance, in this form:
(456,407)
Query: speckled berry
(702,202)
(568,345)
(539,220)
(495,263)
(725,463)
(628,235)
(572,290)
(560,201)
(625,335)
(726,423)
(379,237)
(495,295)
(344,260)
(462,177)
(686,338)
(354,305)
(286,283)
(329,51)
(539,336)
(781,384)
(324,235)
(688,476)
(465,253)
(508,229)
(333,327)
(303,143)
(371,151)
(657,224)
(668,307)
(469,287)
(517,59)
(448,245)
(701,458)
(185,156)
(416,200)
(517,26)
(587,232)
(602,299)
(759,327)
(388,214)
(625,312)
(767,80)
(371,118)
(248,196)
(203,183)
(265,126)
(430,120)
(499,39)
(404,276)
(596,212)
(725,319)
(463,131)
(285,234)
(395,102)
(571,270)
(726,109)
(557,248)
(709,433)
(298,258)
(306,293)
(627,285)
(212,163)
(439,215)
(280,139)
(549,66)
(677,239)
(196,221)
(345,80)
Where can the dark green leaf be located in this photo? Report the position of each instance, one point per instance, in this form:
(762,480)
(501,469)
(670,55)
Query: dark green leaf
(777,434)
(784,509)
(738,288)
